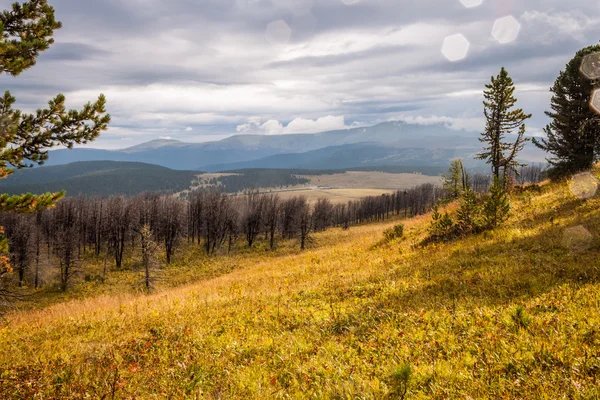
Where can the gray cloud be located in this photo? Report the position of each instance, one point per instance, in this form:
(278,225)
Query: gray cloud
(169,65)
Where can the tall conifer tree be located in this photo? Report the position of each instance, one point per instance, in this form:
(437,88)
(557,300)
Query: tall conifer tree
(25,31)
(502,119)
(573,135)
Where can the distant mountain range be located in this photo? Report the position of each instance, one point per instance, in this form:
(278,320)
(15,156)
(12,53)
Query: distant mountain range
(390,143)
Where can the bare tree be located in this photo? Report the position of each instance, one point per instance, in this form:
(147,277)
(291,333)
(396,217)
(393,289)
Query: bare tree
(170,224)
(322,214)
(272,214)
(66,241)
(305,224)
(19,232)
(148,249)
(253,214)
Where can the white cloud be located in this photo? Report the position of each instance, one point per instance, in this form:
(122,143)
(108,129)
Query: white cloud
(456,123)
(571,23)
(298,125)
(166,137)
(188,129)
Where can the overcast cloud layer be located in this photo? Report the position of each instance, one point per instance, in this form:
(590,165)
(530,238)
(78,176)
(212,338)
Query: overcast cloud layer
(202,70)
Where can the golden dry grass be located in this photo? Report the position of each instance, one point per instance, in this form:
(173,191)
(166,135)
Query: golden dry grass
(510,314)
(375,180)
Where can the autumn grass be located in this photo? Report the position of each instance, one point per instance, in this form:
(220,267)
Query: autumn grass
(514,313)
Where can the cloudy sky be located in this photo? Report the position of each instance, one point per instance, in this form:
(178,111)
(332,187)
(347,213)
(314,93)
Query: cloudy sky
(200,70)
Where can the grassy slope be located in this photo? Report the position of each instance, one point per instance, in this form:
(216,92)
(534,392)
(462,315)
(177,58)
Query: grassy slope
(335,321)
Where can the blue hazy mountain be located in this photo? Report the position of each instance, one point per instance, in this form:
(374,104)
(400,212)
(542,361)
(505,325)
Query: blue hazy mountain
(389,143)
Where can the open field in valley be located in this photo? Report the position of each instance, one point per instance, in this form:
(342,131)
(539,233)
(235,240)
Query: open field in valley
(373,180)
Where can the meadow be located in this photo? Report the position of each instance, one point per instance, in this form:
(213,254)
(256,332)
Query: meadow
(512,313)
(352,185)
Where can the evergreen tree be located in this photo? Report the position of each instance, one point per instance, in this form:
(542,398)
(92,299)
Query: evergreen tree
(456,180)
(26,30)
(469,214)
(497,206)
(502,119)
(574,131)
(442,226)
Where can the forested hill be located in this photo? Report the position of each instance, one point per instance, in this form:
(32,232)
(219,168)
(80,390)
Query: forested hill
(98,178)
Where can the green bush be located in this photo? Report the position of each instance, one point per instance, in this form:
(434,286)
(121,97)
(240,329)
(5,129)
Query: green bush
(400,379)
(394,233)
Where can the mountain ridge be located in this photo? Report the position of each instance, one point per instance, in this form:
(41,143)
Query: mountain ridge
(437,144)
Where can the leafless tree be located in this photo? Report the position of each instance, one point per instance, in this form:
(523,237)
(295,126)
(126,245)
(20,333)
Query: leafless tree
(322,214)
(148,248)
(253,214)
(67,240)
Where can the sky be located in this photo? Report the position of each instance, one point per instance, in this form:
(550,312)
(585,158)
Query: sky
(202,70)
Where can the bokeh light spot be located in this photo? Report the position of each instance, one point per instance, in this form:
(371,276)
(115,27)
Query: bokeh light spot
(578,238)
(297,7)
(590,66)
(278,32)
(471,3)
(595,101)
(584,185)
(506,29)
(455,47)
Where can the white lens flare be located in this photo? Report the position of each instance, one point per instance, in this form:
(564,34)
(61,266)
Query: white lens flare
(278,32)
(584,186)
(578,238)
(455,47)
(595,101)
(506,29)
(590,66)
(471,3)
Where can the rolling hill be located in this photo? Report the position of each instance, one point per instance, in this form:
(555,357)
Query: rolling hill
(98,178)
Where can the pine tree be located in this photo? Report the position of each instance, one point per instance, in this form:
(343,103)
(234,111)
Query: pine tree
(456,180)
(26,30)
(573,135)
(497,206)
(502,119)
(468,216)
(442,226)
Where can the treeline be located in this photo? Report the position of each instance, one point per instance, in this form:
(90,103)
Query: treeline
(111,228)
(258,178)
(98,178)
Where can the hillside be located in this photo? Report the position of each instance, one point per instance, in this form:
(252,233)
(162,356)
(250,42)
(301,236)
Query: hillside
(98,178)
(510,314)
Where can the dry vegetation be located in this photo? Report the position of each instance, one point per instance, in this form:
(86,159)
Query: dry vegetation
(353,185)
(374,180)
(510,314)
(336,196)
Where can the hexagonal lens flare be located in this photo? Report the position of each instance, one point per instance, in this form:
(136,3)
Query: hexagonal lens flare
(506,29)
(455,47)
(584,186)
(278,32)
(590,66)
(578,238)
(471,3)
(595,101)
